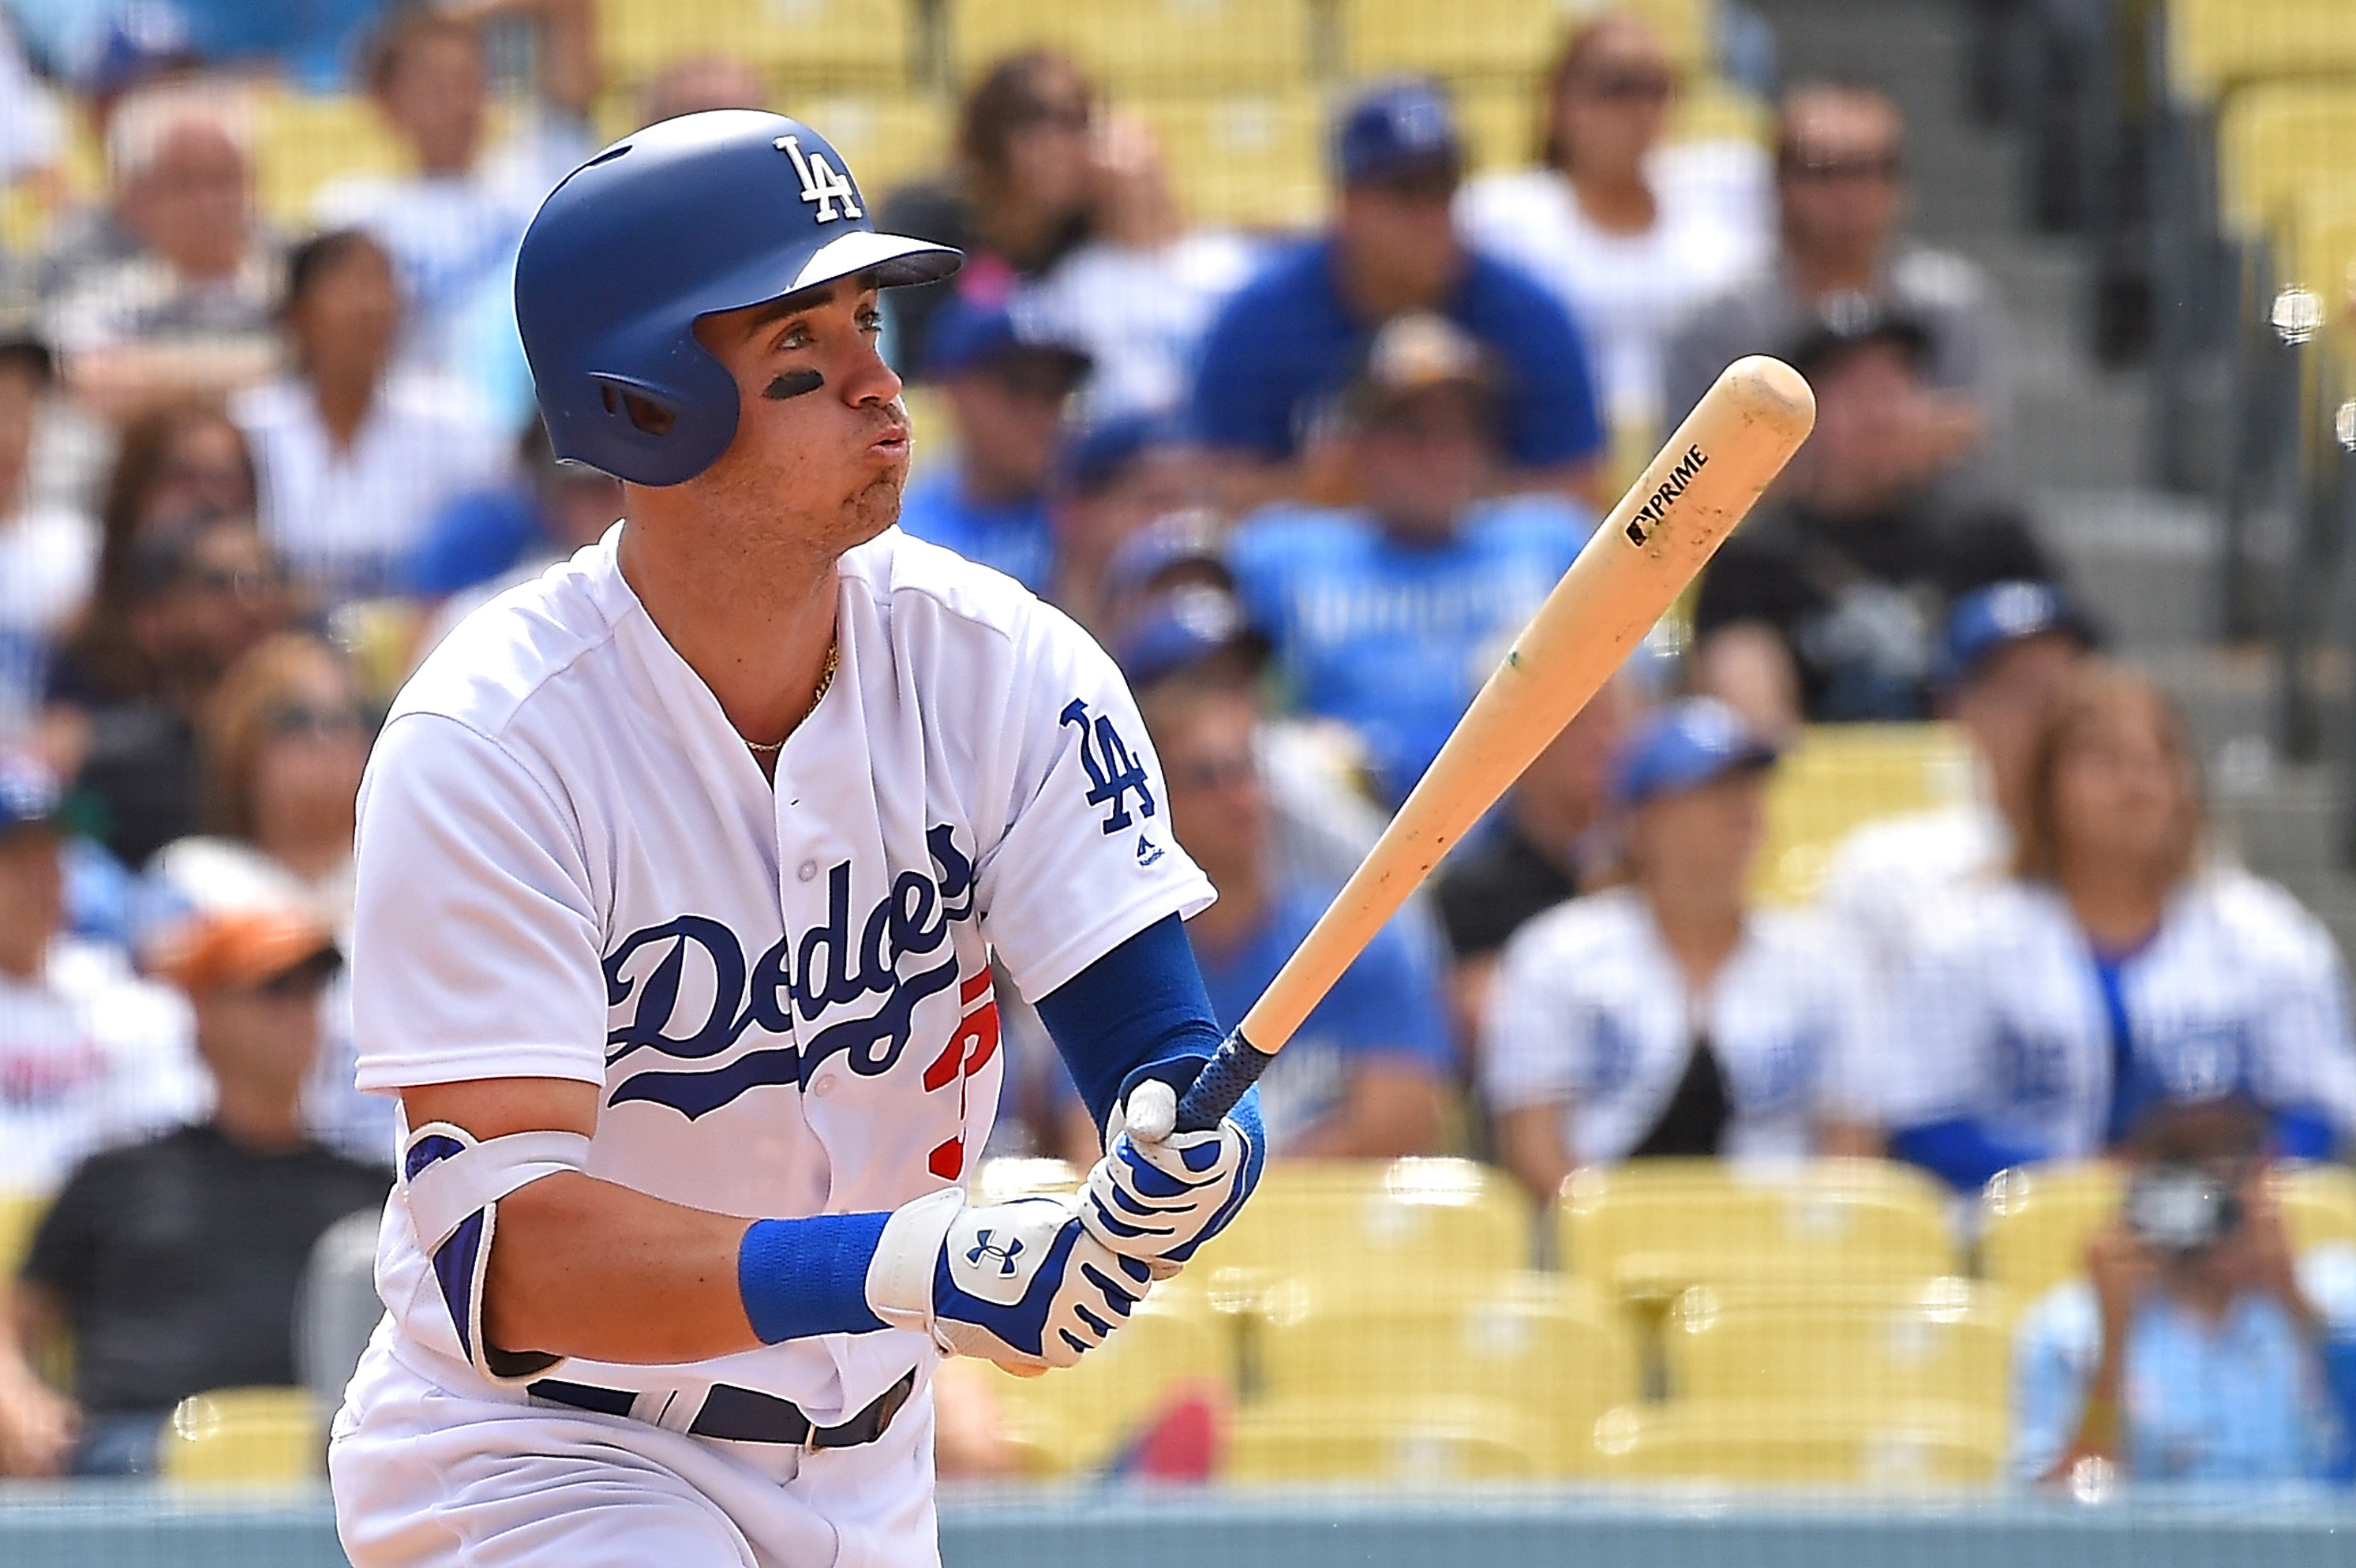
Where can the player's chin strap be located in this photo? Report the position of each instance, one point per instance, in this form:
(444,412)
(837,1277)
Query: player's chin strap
(451,1182)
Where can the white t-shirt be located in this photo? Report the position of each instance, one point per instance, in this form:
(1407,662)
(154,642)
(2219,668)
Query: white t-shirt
(571,867)
(2004,1020)
(90,1055)
(1590,1010)
(1893,883)
(49,560)
(1627,291)
(1140,315)
(346,521)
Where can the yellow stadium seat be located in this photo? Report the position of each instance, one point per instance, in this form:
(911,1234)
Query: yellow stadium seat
(20,1215)
(1076,1420)
(304,140)
(1411,1443)
(889,139)
(1128,45)
(1242,162)
(1498,37)
(1423,1226)
(1946,1339)
(2215,46)
(2276,140)
(1841,775)
(866,42)
(2035,1221)
(261,1436)
(1911,1446)
(1646,1229)
(1549,1350)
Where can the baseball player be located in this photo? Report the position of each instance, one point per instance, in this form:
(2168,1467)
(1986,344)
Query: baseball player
(680,875)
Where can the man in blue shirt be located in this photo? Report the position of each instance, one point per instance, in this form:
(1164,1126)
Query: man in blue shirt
(1389,615)
(1006,393)
(1289,342)
(1362,1078)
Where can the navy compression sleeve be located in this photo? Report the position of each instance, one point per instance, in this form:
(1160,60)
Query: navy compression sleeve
(1140,1011)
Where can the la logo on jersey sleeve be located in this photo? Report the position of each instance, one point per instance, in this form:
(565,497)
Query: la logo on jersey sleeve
(1113,770)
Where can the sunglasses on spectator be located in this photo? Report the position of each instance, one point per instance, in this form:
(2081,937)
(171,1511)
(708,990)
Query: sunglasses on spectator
(1826,168)
(1035,116)
(1214,774)
(306,979)
(1637,86)
(241,582)
(296,719)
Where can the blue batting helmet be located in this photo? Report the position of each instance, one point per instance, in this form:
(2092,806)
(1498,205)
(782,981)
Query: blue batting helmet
(706,213)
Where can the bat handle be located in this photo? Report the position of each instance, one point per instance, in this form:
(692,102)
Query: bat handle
(1233,1068)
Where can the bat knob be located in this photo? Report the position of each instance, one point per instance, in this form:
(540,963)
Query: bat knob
(1152,1114)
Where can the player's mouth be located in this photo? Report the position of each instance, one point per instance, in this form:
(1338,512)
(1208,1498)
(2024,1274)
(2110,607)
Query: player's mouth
(890,446)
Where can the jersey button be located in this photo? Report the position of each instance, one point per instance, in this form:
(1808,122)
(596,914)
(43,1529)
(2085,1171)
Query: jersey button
(807,869)
(824,1086)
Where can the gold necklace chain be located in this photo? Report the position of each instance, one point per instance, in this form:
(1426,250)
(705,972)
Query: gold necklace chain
(825,685)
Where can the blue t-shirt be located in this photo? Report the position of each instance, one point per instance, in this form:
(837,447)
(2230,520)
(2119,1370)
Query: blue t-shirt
(1013,536)
(1385,1005)
(1390,638)
(1285,347)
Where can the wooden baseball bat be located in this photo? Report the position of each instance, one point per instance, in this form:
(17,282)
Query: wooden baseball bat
(1663,530)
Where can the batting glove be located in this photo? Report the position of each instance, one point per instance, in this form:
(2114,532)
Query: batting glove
(1158,1195)
(1022,1283)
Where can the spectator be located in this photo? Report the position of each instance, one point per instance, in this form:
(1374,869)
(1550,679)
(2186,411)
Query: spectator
(1669,1016)
(1006,394)
(1839,194)
(2008,651)
(48,553)
(1362,1077)
(699,82)
(1019,199)
(492,536)
(1117,476)
(189,600)
(1555,839)
(451,224)
(2198,1348)
(160,1311)
(2115,971)
(356,457)
(1284,348)
(1823,606)
(189,311)
(1630,234)
(1388,616)
(89,1054)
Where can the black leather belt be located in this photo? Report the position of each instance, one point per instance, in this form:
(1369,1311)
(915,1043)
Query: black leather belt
(744,1415)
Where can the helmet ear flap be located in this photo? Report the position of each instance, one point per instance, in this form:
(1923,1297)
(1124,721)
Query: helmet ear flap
(652,418)
(656,434)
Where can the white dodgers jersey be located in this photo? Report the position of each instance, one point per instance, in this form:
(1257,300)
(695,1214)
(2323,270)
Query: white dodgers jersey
(571,867)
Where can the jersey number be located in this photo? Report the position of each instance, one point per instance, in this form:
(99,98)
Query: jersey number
(970,1050)
(823,185)
(1113,772)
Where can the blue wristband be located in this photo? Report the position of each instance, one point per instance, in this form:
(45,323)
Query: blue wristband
(803,1278)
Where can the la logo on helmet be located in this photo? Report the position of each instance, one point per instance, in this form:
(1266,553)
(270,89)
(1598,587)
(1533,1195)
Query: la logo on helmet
(822,182)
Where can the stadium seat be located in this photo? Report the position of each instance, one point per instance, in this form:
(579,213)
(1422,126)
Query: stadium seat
(846,42)
(1143,45)
(1840,776)
(1548,1353)
(2214,46)
(2035,1222)
(2277,140)
(1422,1226)
(303,140)
(889,138)
(1915,1445)
(1944,1340)
(1242,162)
(1417,1444)
(20,1214)
(1077,1420)
(255,1436)
(1648,1230)
(1498,37)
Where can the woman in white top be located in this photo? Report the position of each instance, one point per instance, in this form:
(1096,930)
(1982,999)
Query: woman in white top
(1668,1016)
(1629,233)
(355,458)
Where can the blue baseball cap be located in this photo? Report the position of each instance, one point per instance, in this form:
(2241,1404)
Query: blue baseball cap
(1182,628)
(1192,537)
(964,336)
(1397,130)
(30,794)
(1685,745)
(2000,614)
(1097,458)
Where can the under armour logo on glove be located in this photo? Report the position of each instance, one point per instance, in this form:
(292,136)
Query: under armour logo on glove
(1005,1255)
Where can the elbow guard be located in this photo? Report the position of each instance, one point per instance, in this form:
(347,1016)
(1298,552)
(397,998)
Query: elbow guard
(451,1183)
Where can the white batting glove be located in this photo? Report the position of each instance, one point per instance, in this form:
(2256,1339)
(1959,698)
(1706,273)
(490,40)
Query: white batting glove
(1158,1195)
(1022,1283)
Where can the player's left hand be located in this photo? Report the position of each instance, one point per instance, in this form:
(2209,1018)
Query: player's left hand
(1158,1195)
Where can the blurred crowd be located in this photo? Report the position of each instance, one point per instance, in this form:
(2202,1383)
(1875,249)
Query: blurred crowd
(1304,487)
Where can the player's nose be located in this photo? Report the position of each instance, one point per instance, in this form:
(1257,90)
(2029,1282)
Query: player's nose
(872,381)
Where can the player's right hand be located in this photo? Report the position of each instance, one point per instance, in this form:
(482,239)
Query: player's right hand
(1022,1283)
